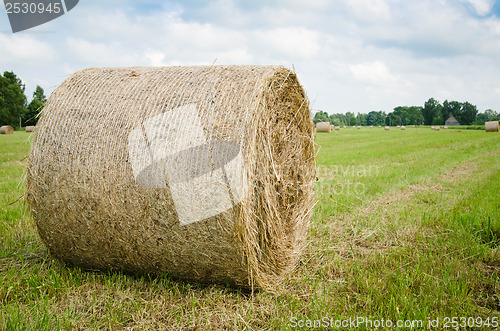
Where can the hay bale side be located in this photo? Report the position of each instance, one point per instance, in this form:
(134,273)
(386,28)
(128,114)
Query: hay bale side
(323,127)
(6,129)
(337,128)
(437,128)
(206,173)
(403,127)
(492,126)
(386,128)
(30,128)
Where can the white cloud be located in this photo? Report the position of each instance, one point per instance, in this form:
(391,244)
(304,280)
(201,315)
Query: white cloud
(370,10)
(376,73)
(482,7)
(25,49)
(291,42)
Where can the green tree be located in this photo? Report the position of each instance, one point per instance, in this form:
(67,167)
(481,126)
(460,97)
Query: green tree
(430,110)
(375,118)
(488,115)
(468,113)
(35,106)
(351,119)
(12,99)
(321,116)
(361,119)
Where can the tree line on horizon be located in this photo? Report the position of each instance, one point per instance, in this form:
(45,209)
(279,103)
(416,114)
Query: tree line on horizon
(14,108)
(432,113)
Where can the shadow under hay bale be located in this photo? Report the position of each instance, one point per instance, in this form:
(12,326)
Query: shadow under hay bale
(6,129)
(205,172)
(492,126)
(323,127)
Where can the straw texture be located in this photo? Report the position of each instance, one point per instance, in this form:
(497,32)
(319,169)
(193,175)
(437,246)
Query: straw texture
(492,126)
(6,129)
(202,172)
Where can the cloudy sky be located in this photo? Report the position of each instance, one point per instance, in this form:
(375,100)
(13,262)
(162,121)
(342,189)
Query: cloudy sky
(350,55)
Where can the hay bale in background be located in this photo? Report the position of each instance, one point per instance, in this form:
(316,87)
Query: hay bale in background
(386,128)
(6,129)
(323,127)
(398,126)
(359,127)
(492,126)
(445,127)
(345,127)
(204,172)
(403,127)
(30,128)
(437,128)
(337,128)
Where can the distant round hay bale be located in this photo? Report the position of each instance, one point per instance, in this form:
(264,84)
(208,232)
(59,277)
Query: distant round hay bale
(492,126)
(445,127)
(398,126)
(386,128)
(437,128)
(337,128)
(323,127)
(379,126)
(432,128)
(345,126)
(403,127)
(359,127)
(6,129)
(30,128)
(206,173)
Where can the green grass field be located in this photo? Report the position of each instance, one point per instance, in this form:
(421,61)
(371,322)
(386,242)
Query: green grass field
(407,227)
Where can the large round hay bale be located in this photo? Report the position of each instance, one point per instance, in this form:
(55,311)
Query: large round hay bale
(30,128)
(437,128)
(206,173)
(492,126)
(323,127)
(386,128)
(6,129)
(403,127)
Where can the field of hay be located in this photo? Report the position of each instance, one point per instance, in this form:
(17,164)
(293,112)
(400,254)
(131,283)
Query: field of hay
(406,230)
